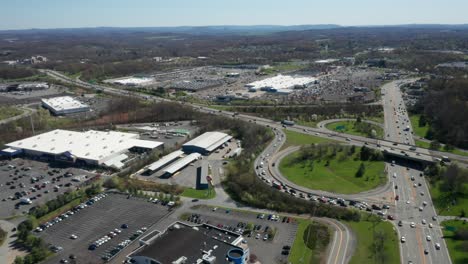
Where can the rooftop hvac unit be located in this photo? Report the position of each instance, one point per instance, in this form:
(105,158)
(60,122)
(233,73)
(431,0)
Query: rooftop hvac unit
(208,259)
(180,260)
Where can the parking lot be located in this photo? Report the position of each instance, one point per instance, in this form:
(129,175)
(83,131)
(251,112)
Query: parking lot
(39,181)
(268,249)
(110,224)
(23,97)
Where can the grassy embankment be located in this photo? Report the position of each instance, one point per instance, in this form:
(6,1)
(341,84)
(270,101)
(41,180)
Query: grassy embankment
(199,194)
(7,112)
(299,139)
(310,243)
(443,200)
(457,247)
(377,241)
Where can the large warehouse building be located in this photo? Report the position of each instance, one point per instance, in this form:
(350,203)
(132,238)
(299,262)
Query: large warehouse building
(64,105)
(206,143)
(110,149)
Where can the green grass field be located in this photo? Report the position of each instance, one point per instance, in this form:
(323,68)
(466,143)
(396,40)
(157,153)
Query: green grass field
(420,131)
(300,252)
(364,253)
(299,139)
(422,144)
(349,128)
(338,177)
(457,254)
(7,112)
(199,194)
(443,201)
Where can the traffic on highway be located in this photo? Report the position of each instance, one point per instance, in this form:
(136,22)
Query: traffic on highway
(412,211)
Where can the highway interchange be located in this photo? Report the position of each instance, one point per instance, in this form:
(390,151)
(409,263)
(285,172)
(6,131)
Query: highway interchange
(419,244)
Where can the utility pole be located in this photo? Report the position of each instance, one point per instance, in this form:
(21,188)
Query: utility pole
(32,125)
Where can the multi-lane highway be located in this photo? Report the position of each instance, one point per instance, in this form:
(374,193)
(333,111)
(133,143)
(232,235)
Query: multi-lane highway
(414,203)
(418,227)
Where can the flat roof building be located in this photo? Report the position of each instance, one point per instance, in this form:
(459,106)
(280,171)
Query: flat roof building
(64,105)
(164,161)
(180,164)
(192,244)
(281,83)
(105,148)
(206,142)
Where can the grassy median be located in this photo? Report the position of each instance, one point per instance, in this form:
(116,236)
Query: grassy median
(377,241)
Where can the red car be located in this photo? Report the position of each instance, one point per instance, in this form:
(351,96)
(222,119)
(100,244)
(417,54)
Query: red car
(397,197)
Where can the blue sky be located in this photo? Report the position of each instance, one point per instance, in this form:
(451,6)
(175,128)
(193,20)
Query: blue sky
(21,14)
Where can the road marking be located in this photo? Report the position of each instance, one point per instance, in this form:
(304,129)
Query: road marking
(421,251)
(337,230)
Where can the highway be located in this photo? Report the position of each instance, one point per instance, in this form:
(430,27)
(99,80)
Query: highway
(342,246)
(384,145)
(395,142)
(419,224)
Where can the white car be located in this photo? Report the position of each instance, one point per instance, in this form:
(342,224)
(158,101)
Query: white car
(423,221)
(73,236)
(428,238)
(413,225)
(403,239)
(430,225)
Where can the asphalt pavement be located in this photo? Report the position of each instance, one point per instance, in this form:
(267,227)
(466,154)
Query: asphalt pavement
(414,205)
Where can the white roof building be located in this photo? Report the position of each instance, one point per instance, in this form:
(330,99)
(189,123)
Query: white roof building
(93,147)
(206,143)
(180,164)
(64,105)
(165,160)
(281,83)
(133,81)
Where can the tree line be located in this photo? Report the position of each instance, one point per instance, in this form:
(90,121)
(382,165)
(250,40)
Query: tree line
(443,108)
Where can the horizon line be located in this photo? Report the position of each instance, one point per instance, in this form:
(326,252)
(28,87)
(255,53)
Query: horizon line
(238,25)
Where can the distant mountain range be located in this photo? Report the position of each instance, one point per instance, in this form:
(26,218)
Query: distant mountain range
(222,29)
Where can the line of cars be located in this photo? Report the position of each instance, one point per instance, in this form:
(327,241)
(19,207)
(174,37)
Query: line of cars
(110,253)
(261,173)
(69,213)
